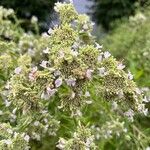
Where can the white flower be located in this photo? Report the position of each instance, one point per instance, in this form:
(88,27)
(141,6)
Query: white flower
(130,76)
(73,95)
(99,47)
(7,86)
(36,136)
(58,82)
(71,82)
(57,73)
(44,64)
(147,148)
(18,70)
(50,31)
(7,103)
(8,141)
(89,102)
(120,66)
(145,99)
(45,35)
(50,91)
(107,54)
(61,144)
(89,73)
(46,51)
(138,91)
(27,138)
(36,123)
(44,96)
(87,94)
(85,27)
(102,71)
(130,114)
(142,109)
(14,110)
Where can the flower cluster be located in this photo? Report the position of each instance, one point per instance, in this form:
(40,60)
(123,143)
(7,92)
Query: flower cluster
(52,74)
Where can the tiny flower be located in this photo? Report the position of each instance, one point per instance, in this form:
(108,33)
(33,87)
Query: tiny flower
(32,74)
(7,103)
(50,31)
(36,123)
(7,86)
(26,138)
(14,110)
(61,144)
(44,64)
(99,58)
(145,99)
(107,54)
(18,70)
(44,96)
(138,91)
(89,102)
(130,76)
(50,91)
(45,35)
(85,27)
(99,47)
(8,141)
(46,51)
(120,66)
(102,71)
(58,82)
(57,73)
(89,73)
(87,94)
(71,82)
(73,95)
(130,114)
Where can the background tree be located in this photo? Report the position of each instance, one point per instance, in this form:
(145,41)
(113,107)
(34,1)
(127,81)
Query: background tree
(106,11)
(28,8)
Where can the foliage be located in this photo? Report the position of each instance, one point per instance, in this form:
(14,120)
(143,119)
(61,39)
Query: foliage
(133,45)
(28,8)
(105,12)
(61,89)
